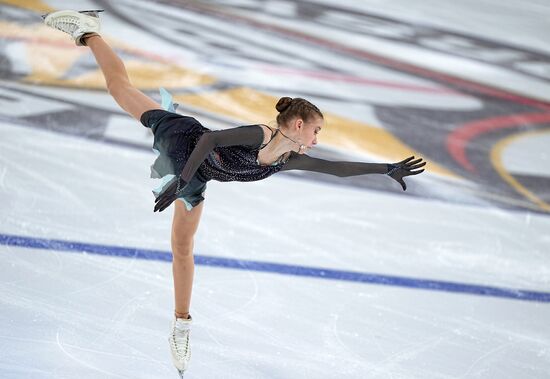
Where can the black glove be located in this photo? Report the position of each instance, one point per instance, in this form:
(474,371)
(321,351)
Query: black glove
(170,194)
(404,168)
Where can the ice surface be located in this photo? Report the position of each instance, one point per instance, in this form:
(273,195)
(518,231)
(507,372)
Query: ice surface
(85,285)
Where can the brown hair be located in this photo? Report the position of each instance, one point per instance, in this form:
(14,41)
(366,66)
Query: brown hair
(289,108)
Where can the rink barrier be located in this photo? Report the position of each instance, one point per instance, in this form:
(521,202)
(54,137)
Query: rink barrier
(277,268)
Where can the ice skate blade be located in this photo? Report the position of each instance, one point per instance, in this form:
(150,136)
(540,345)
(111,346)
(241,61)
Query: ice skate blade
(181,373)
(92,12)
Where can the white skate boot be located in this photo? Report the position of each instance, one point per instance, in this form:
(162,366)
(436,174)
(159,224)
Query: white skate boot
(74,23)
(179,343)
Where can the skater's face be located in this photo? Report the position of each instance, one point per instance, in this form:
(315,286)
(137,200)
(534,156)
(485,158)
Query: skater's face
(307,132)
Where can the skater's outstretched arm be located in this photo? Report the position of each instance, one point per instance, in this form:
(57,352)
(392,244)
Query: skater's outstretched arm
(132,100)
(340,168)
(343,169)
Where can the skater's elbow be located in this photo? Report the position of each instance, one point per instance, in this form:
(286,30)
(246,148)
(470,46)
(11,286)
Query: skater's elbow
(208,141)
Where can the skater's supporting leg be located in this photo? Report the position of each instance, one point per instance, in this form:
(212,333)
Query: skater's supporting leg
(184,227)
(128,97)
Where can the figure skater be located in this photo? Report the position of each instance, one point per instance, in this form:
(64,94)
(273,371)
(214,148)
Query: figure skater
(190,155)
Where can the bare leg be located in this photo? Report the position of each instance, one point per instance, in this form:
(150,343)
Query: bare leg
(184,227)
(129,98)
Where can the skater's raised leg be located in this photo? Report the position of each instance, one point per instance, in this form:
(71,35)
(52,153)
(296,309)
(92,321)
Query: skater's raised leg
(83,29)
(118,84)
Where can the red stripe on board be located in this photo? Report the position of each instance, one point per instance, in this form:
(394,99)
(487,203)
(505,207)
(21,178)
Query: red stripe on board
(460,137)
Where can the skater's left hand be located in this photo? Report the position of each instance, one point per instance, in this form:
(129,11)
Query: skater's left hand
(399,170)
(170,194)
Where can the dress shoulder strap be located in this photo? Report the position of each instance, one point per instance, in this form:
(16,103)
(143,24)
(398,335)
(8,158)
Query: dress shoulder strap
(273,133)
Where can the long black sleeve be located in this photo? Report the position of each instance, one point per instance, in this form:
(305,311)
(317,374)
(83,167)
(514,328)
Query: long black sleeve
(341,169)
(250,135)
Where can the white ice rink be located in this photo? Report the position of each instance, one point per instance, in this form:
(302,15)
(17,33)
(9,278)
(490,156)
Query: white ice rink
(296,277)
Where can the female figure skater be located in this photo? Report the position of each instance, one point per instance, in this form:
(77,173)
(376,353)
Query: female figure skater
(191,155)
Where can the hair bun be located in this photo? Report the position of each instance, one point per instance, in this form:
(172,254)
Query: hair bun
(283,104)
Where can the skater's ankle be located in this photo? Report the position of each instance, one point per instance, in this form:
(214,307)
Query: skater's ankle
(86,38)
(184,315)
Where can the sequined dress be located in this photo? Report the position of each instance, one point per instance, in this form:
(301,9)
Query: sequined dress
(175,138)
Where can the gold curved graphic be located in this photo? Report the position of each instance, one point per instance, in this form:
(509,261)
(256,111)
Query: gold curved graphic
(496,160)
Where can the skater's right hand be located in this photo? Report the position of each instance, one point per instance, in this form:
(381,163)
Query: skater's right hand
(170,194)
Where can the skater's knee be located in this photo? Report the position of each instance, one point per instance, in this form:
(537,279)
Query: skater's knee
(118,86)
(182,247)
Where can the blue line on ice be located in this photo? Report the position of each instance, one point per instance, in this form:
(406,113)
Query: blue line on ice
(285,269)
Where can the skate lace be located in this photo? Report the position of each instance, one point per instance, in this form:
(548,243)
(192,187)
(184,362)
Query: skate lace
(67,24)
(180,342)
